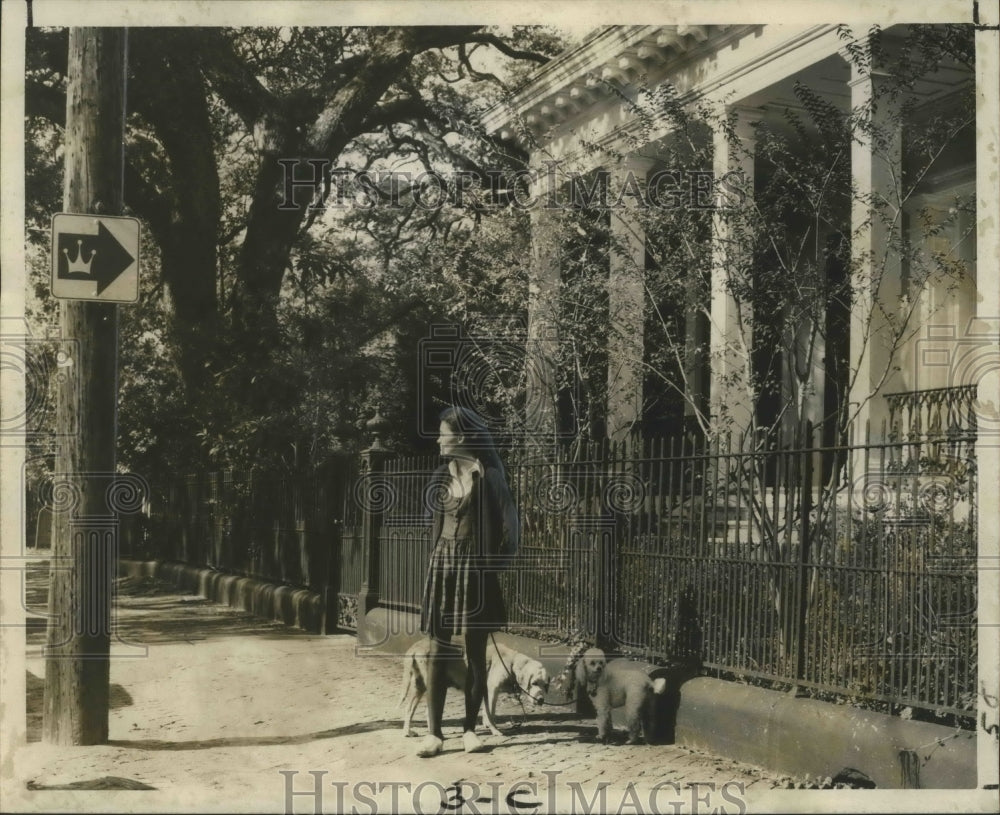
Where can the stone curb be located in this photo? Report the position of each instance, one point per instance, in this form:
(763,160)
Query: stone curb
(300,608)
(802,736)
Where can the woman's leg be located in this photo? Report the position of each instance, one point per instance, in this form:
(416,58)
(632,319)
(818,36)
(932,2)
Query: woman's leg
(440,650)
(475,685)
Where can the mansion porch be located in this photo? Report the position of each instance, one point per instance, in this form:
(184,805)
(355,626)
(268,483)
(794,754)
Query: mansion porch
(891,243)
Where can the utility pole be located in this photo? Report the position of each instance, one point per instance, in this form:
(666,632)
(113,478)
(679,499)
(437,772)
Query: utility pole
(84,527)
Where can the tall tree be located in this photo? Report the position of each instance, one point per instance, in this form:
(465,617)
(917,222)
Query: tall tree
(212,114)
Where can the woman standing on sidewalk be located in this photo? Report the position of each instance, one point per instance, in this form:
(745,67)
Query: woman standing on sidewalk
(475,534)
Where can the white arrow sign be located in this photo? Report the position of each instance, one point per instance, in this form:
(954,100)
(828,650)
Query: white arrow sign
(95,257)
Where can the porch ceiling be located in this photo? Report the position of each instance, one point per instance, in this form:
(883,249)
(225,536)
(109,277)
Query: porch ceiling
(830,78)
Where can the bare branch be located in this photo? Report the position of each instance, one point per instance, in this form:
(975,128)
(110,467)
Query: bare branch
(506,49)
(398,110)
(478,76)
(232,79)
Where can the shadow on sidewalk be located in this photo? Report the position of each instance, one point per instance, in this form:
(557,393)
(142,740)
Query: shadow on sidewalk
(193,619)
(153,611)
(567,733)
(257,741)
(35,700)
(150,611)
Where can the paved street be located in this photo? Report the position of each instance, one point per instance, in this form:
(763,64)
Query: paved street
(219,711)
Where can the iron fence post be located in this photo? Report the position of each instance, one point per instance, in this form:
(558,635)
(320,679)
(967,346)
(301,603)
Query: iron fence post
(372,465)
(607,533)
(803,571)
(604,551)
(329,512)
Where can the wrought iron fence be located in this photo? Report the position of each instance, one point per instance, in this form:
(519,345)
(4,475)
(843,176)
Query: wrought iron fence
(404,534)
(861,584)
(847,570)
(299,529)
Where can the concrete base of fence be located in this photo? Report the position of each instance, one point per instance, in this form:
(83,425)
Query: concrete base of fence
(802,736)
(296,607)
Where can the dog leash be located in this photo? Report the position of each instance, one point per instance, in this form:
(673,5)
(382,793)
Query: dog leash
(521,690)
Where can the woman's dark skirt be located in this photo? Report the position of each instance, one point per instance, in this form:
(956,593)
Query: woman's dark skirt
(459,596)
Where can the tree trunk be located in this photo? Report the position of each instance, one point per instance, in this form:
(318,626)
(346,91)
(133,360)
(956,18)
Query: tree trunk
(273,225)
(182,207)
(84,531)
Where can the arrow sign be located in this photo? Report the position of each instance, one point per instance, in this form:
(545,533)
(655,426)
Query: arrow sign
(89,257)
(89,249)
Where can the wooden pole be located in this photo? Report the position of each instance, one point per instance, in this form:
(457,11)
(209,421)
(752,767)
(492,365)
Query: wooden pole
(84,527)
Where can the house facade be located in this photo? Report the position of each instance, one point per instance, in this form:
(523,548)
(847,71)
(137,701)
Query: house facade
(894,338)
(914,352)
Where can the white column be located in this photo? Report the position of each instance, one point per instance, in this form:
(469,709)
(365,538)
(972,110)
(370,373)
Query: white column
(542,350)
(987,449)
(626,301)
(732,397)
(696,346)
(876,220)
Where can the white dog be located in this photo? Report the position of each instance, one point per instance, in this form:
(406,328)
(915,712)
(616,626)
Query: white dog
(617,683)
(507,671)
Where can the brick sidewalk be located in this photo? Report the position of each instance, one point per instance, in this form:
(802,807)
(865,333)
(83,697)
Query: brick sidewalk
(223,712)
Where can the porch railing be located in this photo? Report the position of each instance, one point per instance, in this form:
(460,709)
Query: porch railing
(934,415)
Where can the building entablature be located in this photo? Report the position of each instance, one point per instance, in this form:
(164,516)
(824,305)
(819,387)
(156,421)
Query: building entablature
(599,93)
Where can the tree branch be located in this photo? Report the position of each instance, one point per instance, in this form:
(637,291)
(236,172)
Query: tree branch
(396,111)
(514,53)
(477,76)
(426,37)
(232,79)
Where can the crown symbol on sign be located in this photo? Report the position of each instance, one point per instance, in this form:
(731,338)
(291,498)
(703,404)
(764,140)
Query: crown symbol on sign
(78,266)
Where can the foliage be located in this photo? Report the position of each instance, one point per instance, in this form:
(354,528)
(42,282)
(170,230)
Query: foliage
(783,248)
(804,274)
(266,334)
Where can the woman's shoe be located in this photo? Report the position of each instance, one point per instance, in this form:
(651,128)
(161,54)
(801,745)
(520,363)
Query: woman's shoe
(430,746)
(472,742)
